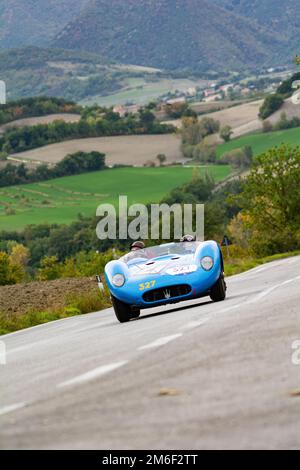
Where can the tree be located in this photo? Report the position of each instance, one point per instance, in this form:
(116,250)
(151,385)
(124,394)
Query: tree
(10,273)
(271,199)
(161,158)
(226,133)
(205,153)
(193,130)
(5,274)
(271,104)
(50,269)
(146,118)
(20,255)
(209,126)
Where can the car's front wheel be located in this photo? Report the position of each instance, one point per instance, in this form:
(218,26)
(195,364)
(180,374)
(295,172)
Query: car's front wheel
(124,312)
(218,291)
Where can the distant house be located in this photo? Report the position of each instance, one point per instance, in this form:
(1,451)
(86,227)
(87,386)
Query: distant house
(119,110)
(122,110)
(175,101)
(209,92)
(191,91)
(226,88)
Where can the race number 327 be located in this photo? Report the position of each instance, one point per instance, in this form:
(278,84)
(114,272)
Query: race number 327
(147,285)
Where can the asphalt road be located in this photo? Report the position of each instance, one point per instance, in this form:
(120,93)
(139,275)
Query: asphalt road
(197,375)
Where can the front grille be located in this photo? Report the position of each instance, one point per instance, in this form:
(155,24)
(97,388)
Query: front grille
(165,293)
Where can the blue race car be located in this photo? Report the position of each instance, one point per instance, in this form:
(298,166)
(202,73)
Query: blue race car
(165,274)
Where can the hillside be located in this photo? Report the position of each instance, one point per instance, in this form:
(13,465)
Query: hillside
(120,150)
(62,199)
(276,14)
(33,71)
(260,142)
(34,22)
(171,34)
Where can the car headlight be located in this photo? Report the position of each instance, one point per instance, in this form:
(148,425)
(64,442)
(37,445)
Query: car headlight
(207,263)
(118,280)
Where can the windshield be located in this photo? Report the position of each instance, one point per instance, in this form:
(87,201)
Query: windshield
(167,250)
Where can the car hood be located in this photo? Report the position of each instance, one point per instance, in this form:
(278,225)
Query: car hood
(168,265)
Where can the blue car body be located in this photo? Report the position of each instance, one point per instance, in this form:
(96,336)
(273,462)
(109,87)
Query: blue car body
(165,274)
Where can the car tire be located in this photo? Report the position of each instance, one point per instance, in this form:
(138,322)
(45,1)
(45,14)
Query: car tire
(123,311)
(218,291)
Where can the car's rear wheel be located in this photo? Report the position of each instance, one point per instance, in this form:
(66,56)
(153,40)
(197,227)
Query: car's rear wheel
(218,291)
(124,312)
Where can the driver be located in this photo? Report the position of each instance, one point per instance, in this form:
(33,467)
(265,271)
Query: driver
(137,250)
(138,245)
(187,239)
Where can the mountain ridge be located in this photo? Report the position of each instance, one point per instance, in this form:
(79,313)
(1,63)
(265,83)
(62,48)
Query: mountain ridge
(169,34)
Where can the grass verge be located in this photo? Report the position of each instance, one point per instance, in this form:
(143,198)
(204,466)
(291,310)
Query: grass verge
(75,305)
(239,265)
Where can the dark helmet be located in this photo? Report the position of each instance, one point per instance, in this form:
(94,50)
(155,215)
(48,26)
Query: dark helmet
(138,245)
(188,238)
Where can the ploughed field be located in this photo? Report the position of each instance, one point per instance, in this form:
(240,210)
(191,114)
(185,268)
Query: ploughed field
(61,200)
(127,150)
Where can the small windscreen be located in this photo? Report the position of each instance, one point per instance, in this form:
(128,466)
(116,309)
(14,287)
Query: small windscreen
(161,251)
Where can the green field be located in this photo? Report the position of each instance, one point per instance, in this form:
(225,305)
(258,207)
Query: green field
(61,200)
(263,141)
(140,91)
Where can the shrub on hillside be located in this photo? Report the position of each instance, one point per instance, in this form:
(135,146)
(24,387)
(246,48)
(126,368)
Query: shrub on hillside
(271,104)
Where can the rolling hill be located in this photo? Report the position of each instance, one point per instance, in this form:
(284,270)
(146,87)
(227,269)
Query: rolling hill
(61,200)
(274,14)
(75,75)
(261,142)
(170,34)
(34,22)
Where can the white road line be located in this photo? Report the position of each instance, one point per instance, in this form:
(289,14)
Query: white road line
(10,408)
(267,291)
(228,309)
(258,270)
(195,324)
(92,374)
(160,342)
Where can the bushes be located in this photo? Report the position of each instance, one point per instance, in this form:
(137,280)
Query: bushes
(285,88)
(226,133)
(107,123)
(76,305)
(193,133)
(271,104)
(10,271)
(271,201)
(239,158)
(38,106)
(73,164)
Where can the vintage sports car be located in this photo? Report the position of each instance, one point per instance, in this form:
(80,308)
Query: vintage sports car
(165,274)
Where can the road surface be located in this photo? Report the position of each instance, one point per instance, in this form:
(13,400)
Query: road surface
(194,376)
